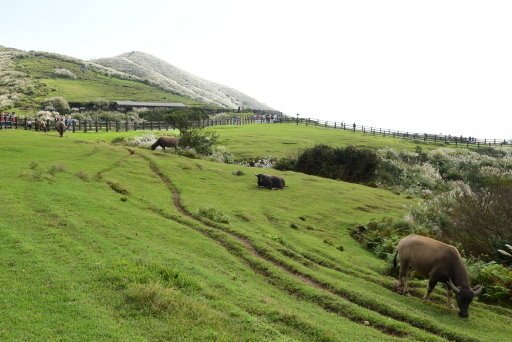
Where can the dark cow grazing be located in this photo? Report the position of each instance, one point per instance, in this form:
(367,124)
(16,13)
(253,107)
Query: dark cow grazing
(41,125)
(60,127)
(164,142)
(439,262)
(270,182)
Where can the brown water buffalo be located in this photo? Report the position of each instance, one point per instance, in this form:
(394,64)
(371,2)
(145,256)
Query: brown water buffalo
(41,125)
(164,142)
(439,262)
(60,127)
(270,181)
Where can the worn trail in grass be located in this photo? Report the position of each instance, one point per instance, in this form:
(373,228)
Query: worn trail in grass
(91,232)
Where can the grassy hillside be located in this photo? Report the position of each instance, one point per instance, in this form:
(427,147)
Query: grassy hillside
(91,85)
(178,81)
(278,140)
(102,242)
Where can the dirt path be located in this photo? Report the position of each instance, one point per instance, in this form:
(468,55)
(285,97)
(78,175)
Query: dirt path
(301,277)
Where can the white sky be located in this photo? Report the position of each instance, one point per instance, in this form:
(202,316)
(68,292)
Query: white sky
(429,66)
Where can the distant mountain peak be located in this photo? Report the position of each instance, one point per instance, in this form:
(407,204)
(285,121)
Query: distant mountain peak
(173,79)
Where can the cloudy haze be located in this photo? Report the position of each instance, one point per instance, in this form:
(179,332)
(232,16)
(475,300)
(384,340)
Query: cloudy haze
(436,66)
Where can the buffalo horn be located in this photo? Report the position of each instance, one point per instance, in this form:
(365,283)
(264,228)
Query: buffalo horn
(454,288)
(477,289)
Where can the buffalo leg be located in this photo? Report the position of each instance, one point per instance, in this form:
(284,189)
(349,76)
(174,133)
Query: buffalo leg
(430,287)
(449,293)
(402,278)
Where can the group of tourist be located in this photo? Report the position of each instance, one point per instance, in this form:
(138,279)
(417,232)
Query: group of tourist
(268,118)
(8,120)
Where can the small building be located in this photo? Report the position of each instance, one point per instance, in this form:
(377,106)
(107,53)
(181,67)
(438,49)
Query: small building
(129,105)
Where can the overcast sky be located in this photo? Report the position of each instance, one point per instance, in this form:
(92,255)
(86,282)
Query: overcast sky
(429,66)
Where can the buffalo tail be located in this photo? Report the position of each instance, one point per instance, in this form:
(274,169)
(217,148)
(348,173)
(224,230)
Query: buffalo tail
(394,260)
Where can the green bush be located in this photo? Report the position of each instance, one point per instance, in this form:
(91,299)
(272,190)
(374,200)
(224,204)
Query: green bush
(496,280)
(349,164)
(57,103)
(285,164)
(200,141)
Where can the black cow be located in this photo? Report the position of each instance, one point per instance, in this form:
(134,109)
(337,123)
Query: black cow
(270,181)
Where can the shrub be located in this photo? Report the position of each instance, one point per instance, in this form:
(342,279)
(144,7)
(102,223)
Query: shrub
(285,164)
(349,164)
(222,155)
(480,220)
(496,280)
(65,73)
(200,141)
(57,103)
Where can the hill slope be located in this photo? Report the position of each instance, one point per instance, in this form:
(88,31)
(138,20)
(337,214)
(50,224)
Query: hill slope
(176,80)
(114,243)
(27,78)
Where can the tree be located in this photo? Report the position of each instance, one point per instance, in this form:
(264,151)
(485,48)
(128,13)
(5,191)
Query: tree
(57,103)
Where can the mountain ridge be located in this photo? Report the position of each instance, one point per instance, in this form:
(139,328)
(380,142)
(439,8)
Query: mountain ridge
(28,77)
(174,79)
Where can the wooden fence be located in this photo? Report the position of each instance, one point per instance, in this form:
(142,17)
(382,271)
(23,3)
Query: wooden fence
(125,126)
(425,137)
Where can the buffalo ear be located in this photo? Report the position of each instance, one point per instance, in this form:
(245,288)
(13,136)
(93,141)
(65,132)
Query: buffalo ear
(454,288)
(477,289)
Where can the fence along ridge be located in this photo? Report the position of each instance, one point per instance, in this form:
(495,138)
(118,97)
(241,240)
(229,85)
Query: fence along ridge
(441,138)
(119,126)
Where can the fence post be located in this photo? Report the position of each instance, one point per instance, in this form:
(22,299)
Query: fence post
(25,123)
(166,125)
(144,125)
(126,126)
(107,127)
(85,126)
(73,125)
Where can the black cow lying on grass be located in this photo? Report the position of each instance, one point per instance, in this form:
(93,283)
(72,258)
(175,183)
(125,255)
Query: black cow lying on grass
(164,142)
(270,182)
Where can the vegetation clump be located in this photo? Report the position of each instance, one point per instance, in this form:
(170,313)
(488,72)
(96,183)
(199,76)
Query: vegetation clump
(214,214)
(65,73)
(349,164)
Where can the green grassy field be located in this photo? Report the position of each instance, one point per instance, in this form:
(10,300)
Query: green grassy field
(284,140)
(104,242)
(91,86)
